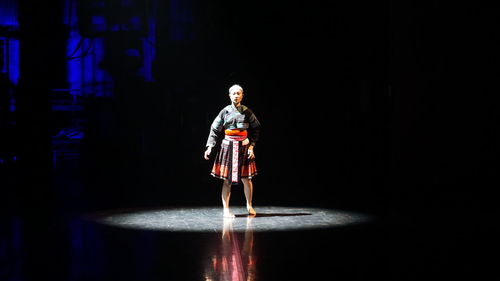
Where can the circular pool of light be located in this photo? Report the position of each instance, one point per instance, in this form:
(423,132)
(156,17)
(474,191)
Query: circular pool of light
(210,219)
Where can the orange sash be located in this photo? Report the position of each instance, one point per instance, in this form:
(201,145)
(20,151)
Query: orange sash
(236,132)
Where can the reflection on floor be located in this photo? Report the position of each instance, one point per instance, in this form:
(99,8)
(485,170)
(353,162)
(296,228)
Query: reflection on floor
(232,260)
(75,248)
(281,243)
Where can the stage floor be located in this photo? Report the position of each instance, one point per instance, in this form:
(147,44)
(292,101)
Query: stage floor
(280,243)
(210,219)
(197,243)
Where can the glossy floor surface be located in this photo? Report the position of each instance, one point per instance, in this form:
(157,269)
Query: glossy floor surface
(210,219)
(280,243)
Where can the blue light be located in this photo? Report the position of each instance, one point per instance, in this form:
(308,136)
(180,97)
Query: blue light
(9,23)
(8,13)
(13,60)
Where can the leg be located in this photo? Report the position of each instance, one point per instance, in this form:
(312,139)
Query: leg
(248,185)
(226,194)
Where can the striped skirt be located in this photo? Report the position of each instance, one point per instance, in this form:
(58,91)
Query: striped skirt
(232,163)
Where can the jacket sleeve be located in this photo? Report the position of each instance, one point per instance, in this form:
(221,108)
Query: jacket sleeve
(215,129)
(254,129)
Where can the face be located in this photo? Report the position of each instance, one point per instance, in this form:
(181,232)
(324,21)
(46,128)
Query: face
(236,96)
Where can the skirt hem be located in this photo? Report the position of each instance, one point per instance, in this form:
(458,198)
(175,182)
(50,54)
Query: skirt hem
(227,178)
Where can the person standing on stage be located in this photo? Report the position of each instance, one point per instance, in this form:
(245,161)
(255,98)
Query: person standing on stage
(235,161)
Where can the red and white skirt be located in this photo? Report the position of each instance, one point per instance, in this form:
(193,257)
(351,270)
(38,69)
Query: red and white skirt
(231,162)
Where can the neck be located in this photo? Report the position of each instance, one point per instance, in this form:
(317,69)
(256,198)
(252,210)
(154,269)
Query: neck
(236,104)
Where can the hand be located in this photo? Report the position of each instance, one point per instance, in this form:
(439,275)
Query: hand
(251,155)
(207,152)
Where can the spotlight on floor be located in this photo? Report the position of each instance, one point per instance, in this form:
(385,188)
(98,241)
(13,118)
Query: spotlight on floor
(209,219)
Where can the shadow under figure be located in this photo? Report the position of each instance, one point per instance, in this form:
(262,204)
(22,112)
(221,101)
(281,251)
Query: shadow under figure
(235,160)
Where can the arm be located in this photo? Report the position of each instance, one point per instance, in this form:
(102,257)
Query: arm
(254,134)
(255,130)
(215,130)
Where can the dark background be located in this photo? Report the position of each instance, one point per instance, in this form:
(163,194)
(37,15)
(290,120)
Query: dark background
(373,105)
(385,107)
(366,105)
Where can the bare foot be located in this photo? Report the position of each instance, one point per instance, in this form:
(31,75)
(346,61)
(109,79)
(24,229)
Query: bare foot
(228,214)
(251,211)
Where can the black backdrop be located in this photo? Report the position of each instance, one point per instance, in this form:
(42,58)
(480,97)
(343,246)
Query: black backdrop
(363,105)
(316,77)
(383,106)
